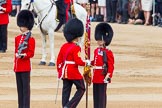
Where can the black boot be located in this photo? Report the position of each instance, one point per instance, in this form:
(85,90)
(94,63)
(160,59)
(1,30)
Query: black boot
(13,13)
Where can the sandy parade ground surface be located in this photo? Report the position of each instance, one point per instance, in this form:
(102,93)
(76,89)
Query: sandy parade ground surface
(137,80)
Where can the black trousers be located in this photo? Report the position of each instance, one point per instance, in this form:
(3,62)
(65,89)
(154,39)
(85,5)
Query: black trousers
(61,11)
(3,37)
(111,7)
(23,89)
(123,7)
(159,8)
(67,86)
(99,95)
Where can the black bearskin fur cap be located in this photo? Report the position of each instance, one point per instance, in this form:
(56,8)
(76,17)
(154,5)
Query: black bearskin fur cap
(25,19)
(103,31)
(73,29)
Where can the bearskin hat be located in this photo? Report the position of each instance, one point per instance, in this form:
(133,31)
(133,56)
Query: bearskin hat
(25,19)
(103,31)
(73,29)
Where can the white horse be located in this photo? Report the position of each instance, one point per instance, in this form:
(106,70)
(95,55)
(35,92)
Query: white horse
(46,11)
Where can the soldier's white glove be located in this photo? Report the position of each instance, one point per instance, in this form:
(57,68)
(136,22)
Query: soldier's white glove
(1,8)
(88,62)
(107,78)
(20,55)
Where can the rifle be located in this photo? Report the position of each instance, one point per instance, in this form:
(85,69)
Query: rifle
(23,45)
(105,67)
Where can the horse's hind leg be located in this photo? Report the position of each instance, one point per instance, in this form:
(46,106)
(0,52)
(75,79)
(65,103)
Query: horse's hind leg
(44,54)
(51,39)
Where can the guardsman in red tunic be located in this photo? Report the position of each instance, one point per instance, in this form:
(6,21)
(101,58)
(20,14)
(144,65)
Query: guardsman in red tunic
(103,64)
(5,9)
(68,61)
(24,50)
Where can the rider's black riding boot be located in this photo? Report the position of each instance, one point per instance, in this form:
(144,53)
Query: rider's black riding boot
(61,11)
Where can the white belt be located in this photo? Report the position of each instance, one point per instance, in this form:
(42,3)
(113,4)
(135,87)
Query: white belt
(69,62)
(98,67)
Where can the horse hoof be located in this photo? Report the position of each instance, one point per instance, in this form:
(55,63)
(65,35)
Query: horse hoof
(51,64)
(42,63)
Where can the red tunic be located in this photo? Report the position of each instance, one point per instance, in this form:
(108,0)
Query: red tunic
(4,17)
(98,77)
(68,6)
(70,52)
(22,65)
(68,1)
